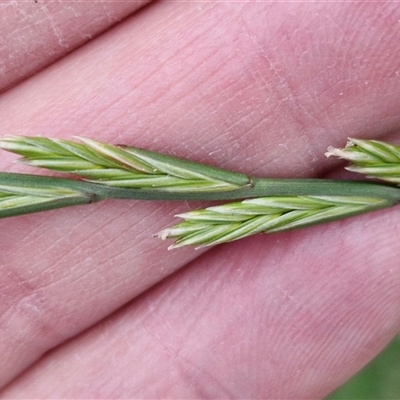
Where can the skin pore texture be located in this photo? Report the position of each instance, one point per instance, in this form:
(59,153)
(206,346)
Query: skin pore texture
(93,306)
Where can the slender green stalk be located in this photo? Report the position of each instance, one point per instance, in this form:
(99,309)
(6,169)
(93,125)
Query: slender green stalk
(131,173)
(260,187)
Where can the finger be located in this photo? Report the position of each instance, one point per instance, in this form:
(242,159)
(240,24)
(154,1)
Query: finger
(35,34)
(285,316)
(235,104)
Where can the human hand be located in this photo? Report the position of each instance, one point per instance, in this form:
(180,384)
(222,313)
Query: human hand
(93,306)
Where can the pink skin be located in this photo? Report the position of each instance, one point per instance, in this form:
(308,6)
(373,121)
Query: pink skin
(92,306)
(34,35)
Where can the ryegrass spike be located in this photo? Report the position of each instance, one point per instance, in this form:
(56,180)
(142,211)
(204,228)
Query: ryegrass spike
(122,166)
(373,158)
(233,221)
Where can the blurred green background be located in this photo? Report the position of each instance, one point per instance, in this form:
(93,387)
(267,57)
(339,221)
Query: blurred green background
(380,379)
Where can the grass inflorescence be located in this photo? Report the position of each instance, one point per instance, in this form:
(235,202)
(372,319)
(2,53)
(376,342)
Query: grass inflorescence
(266,205)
